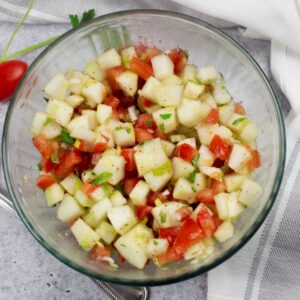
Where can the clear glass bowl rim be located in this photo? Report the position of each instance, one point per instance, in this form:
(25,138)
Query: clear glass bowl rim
(226,255)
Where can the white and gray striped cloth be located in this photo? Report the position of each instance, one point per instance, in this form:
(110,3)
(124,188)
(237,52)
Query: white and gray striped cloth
(268,267)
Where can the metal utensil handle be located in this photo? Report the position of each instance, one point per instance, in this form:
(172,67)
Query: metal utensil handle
(115,292)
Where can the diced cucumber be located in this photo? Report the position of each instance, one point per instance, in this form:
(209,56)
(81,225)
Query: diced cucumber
(225,113)
(97,212)
(104,135)
(221,95)
(188,73)
(69,209)
(206,157)
(82,133)
(168,95)
(181,168)
(94,92)
(189,141)
(223,132)
(78,122)
(148,90)
(192,112)
(207,75)
(117,199)
(206,132)
(250,191)
(52,130)
(237,122)
(195,251)
(175,138)
(173,79)
(132,246)
(221,200)
(239,157)
(199,182)
(168,147)
(157,247)
(57,87)
(126,55)
(124,135)
(106,232)
(212,172)
(59,111)
(193,89)
(54,194)
(84,234)
(122,218)
(92,118)
(183,190)
(104,112)
(139,193)
(83,199)
(208,99)
(93,70)
(224,232)
(249,133)
(109,59)
(39,121)
(71,184)
(166,119)
(233,206)
(200,207)
(157,181)
(233,181)
(128,82)
(162,65)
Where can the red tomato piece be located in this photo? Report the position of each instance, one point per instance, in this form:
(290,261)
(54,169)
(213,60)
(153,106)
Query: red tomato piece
(189,233)
(128,154)
(98,252)
(141,68)
(142,135)
(149,53)
(140,49)
(212,117)
(145,102)
(85,146)
(143,211)
(220,148)
(217,221)
(170,256)
(95,158)
(217,186)
(254,163)
(44,181)
(186,152)
(179,59)
(11,72)
(206,196)
(158,133)
(205,221)
(68,161)
(100,147)
(156,195)
(84,164)
(184,213)
(169,233)
(145,121)
(239,109)
(45,147)
(47,165)
(88,188)
(112,101)
(111,75)
(130,184)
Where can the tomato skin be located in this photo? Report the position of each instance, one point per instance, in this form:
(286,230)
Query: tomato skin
(143,211)
(98,252)
(220,148)
(142,135)
(170,256)
(111,75)
(189,233)
(129,185)
(213,116)
(206,196)
(205,221)
(128,154)
(143,69)
(169,233)
(239,109)
(100,147)
(11,72)
(179,60)
(186,152)
(254,163)
(44,181)
(45,147)
(146,121)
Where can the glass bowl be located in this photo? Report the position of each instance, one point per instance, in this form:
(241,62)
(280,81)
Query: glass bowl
(206,45)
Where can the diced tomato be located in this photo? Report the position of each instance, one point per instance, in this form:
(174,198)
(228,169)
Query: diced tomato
(169,233)
(98,252)
(45,147)
(127,101)
(111,75)
(100,147)
(47,165)
(217,186)
(218,163)
(142,135)
(149,53)
(212,117)
(143,211)
(140,49)
(121,112)
(95,158)
(146,121)
(88,188)
(186,152)
(129,185)
(145,102)
(184,213)
(205,221)
(68,161)
(206,196)
(217,221)
(112,101)
(121,258)
(189,233)
(239,109)
(44,181)
(128,154)
(158,133)
(254,163)
(85,146)
(84,164)
(220,148)
(156,195)
(170,256)
(141,68)
(179,59)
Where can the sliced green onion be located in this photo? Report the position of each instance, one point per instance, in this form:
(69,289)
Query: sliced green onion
(103,177)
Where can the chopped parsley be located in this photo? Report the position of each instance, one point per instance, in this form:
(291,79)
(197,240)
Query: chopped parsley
(239,120)
(66,138)
(128,130)
(86,16)
(149,123)
(163,217)
(192,177)
(195,160)
(54,158)
(155,242)
(165,116)
(162,127)
(46,99)
(39,166)
(102,178)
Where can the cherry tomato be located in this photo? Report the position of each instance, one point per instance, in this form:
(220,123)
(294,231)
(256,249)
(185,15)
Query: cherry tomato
(44,181)
(186,152)
(212,117)
(220,148)
(143,211)
(11,72)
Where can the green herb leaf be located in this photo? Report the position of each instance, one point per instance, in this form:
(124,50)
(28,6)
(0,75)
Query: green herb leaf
(165,116)
(149,123)
(108,190)
(194,190)
(46,99)
(155,242)
(195,160)
(239,120)
(66,138)
(184,52)
(128,130)
(39,166)
(162,127)
(192,177)
(103,177)
(47,121)
(86,16)
(163,217)
(54,158)
(221,104)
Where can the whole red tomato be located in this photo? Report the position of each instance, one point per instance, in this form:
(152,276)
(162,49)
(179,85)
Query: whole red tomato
(11,73)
